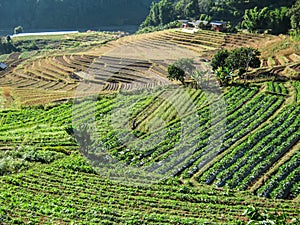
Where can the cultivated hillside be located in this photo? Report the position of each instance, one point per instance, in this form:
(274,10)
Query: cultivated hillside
(98,134)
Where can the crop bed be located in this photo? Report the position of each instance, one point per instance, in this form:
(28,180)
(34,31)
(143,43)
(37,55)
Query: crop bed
(68,192)
(57,185)
(184,153)
(218,150)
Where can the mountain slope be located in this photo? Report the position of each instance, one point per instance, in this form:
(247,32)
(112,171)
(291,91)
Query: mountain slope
(67,14)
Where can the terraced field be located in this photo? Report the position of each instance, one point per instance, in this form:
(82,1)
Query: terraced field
(158,153)
(65,193)
(244,145)
(253,144)
(132,62)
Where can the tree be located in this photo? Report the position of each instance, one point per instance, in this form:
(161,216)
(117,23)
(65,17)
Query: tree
(176,73)
(165,8)
(181,68)
(6,46)
(160,13)
(294,14)
(275,20)
(255,19)
(279,20)
(187,65)
(205,17)
(241,59)
(18,30)
(153,17)
(179,8)
(205,6)
(192,9)
(219,59)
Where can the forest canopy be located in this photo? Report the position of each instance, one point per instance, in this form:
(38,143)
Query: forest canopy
(71,14)
(272,14)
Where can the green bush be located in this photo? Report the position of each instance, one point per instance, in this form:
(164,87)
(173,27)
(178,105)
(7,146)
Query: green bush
(75,163)
(10,165)
(6,47)
(42,156)
(58,149)
(257,216)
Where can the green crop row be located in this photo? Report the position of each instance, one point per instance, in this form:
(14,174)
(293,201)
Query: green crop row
(61,193)
(274,185)
(257,153)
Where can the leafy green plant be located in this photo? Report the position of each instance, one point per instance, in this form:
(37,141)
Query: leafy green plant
(223,75)
(257,216)
(10,165)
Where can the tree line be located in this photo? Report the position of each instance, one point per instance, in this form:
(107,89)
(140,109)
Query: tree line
(71,14)
(255,15)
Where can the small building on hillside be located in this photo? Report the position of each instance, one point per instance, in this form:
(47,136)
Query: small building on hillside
(3,66)
(192,24)
(218,25)
(184,23)
(203,24)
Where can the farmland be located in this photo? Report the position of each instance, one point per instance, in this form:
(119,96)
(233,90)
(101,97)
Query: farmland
(203,155)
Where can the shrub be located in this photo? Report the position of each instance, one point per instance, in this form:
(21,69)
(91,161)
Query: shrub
(42,156)
(9,165)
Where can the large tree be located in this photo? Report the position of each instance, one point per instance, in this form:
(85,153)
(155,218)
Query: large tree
(240,60)
(192,9)
(243,58)
(160,13)
(180,69)
(176,73)
(228,10)
(219,59)
(165,11)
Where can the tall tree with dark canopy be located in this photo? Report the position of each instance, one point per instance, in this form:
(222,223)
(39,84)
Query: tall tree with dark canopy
(240,59)
(175,73)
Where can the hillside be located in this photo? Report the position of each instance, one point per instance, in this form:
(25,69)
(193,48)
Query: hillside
(276,17)
(66,14)
(96,133)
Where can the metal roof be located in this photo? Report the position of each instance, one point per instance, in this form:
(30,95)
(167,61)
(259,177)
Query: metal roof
(218,23)
(3,66)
